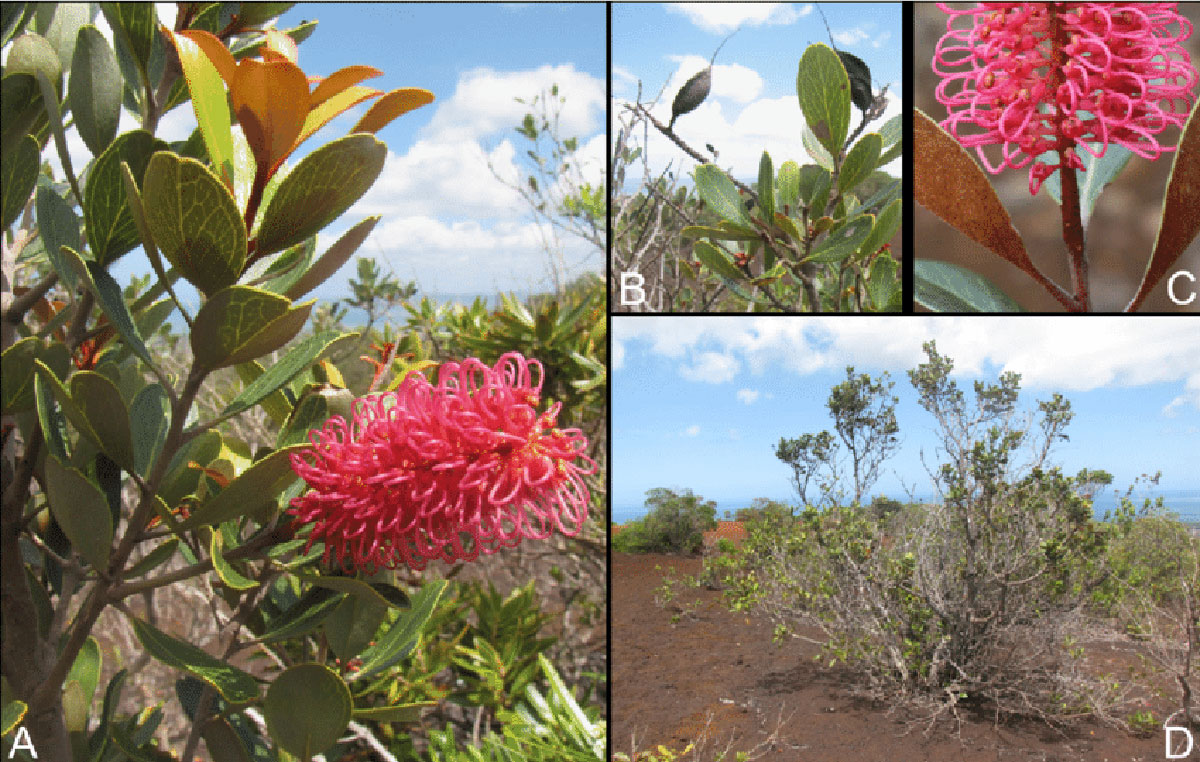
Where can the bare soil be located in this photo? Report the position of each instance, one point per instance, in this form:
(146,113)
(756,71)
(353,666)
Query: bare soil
(713,678)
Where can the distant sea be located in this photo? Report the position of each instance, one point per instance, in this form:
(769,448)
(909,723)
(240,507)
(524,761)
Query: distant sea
(1185,503)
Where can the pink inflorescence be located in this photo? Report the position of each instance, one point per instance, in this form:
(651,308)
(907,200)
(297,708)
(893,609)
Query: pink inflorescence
(450,471)
(1039,77)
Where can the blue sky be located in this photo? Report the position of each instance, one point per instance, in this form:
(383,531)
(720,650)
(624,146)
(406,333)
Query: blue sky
(752,105)
(699,403)
(447,222)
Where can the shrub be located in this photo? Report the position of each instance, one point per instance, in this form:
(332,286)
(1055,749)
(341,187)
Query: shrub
(676,523)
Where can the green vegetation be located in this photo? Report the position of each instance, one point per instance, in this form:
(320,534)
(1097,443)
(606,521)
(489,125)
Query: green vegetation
(675,523)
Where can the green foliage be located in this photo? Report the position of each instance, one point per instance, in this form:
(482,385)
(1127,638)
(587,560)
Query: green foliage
(675,523)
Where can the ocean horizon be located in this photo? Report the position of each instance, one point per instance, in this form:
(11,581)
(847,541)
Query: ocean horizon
(1185,503)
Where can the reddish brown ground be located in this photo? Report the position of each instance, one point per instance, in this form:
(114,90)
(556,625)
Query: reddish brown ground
(716,679)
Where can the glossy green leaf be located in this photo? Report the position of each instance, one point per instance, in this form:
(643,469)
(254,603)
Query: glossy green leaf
(240,323)
(95,90)
(149,419)
(351,626)
(766,186)
(333,259)
(223,742)
(943,287)
(860,162)
(138,26)
(234,685)
(85,670)
(80,509)
(300,357)
(13,18)
(719,234)
(60,23)
(843,241)
(716,260)
(14,711)
(883,284)
(111,228)
(162,553)
(16,376)
(225,570)
(307,709)
(721,195)
(47,390)
(194,221)
(277,405)
(32,53)
(312,410)
(322,186)
(18,175)
(138,212)
(180,480)
(404,632)
(304,616)
(255,14)
(886,225)
(100,403)
(54,118)
(21,114)
(406,714)
(375,592)
(824,92)
(211,105)
(59,227)
(256,486)
(112,303)
(787,184)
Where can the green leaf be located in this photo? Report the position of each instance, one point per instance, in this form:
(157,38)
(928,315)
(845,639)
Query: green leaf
(403,713)
(322,186)
(14,711)
(766,186)
(352,625)
(85,670)
(255,14)
(721,195)
(277,405)
(16,376)
(1092,179)
(824,92)
(59,227)
(149,419)
(229,575)
(111,229)
(844,241)
(162,553)
(886,225)
(717,261)
(59,23)
(95,91)
(892,130)
(31,54)
(719,234)
(112,303)
(180,480)
(299,358)
(80,509)
(138,24)
(332,260)
(47,388)
(101,405)
(316,406)
(240,323)
(13,18)
(943,287)
(211,106)
(375,592)
(787,183)
(234,685)
(304,616)
(307,709)
(860,162)
(18,175)
(194,221)
(404,632)
(883,286)
(815,150)
(258,485)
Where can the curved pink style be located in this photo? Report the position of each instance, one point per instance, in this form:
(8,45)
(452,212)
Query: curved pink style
(447,471)
(1063,77)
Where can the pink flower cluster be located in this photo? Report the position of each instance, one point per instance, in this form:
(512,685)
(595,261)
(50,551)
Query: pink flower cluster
(1039,77)
(449,470)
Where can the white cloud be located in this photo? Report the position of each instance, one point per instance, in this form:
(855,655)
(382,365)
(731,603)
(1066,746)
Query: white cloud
(850,37)
(1049,353)
(748,396)
(692,431)
(721,18)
